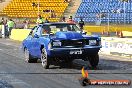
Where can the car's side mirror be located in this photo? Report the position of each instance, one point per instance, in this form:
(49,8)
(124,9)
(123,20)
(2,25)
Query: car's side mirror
(84,33)
(36,36)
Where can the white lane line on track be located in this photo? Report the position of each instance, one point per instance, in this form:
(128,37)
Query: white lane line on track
(1,49)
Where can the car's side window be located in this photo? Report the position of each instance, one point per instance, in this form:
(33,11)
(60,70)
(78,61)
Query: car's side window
(33,30)
(54,29)
(46,30)
(38,31)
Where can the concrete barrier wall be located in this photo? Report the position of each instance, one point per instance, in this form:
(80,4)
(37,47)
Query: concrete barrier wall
(117,46)
(127,33)
(19,34)
(110,45)
(105,28)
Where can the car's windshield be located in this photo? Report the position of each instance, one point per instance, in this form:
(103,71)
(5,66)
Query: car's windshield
(59,27)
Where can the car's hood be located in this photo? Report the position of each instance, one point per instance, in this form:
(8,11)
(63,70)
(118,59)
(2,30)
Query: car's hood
(69,35)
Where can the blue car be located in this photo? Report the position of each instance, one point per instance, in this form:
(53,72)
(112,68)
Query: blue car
(58,42)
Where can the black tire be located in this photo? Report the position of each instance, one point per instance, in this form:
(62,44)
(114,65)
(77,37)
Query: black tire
(28,57)
(44,58)
(94,60)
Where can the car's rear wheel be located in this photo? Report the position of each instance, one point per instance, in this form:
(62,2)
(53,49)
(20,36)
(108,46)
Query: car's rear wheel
(28,57)
(94,60)
(44,58)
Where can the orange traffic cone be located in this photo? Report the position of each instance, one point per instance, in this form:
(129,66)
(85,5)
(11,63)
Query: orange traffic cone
(121,34)
(117,33)
(108,33)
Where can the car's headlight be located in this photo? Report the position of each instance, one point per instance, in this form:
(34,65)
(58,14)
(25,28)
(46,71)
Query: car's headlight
(57,43)
(92,42)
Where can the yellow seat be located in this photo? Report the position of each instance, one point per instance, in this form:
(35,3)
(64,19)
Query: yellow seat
(23,8)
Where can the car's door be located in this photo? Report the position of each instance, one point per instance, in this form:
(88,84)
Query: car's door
(29,40)
(35,42)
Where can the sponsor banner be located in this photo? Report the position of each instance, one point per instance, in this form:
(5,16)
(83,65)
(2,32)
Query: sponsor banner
(84,80)
(117,46)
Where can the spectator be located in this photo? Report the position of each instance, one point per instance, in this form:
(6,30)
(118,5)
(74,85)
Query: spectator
(26,24)
(63,19)
(65,0)
(40,20)
(120,10)
(5,21)
(6,29)
(2,21)
(1,1)
(114,11)
(70,20)
(47,11)
(10,25)
(53,15)
(81,24)
(34,4)
(101,15)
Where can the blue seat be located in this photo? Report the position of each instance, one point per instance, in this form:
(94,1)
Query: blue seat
(90,8)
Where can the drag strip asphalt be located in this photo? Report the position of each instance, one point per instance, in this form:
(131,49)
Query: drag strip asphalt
(19,74)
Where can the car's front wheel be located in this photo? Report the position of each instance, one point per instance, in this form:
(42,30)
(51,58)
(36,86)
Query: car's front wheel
(28,57)
(94,60)
(44,58)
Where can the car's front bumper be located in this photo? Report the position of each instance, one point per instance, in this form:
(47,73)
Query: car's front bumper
(74,52)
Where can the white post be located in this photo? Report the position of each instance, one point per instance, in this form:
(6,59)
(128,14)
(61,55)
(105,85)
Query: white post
(3,31)
(108,21)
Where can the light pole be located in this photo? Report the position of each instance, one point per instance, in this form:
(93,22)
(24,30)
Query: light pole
(124,7)
(38,7)
(108,21)
(117,12)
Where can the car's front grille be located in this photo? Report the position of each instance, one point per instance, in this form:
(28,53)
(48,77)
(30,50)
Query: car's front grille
(75,43)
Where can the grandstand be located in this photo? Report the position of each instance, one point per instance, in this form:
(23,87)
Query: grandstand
(94,12)
(115,11)
(24,9)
